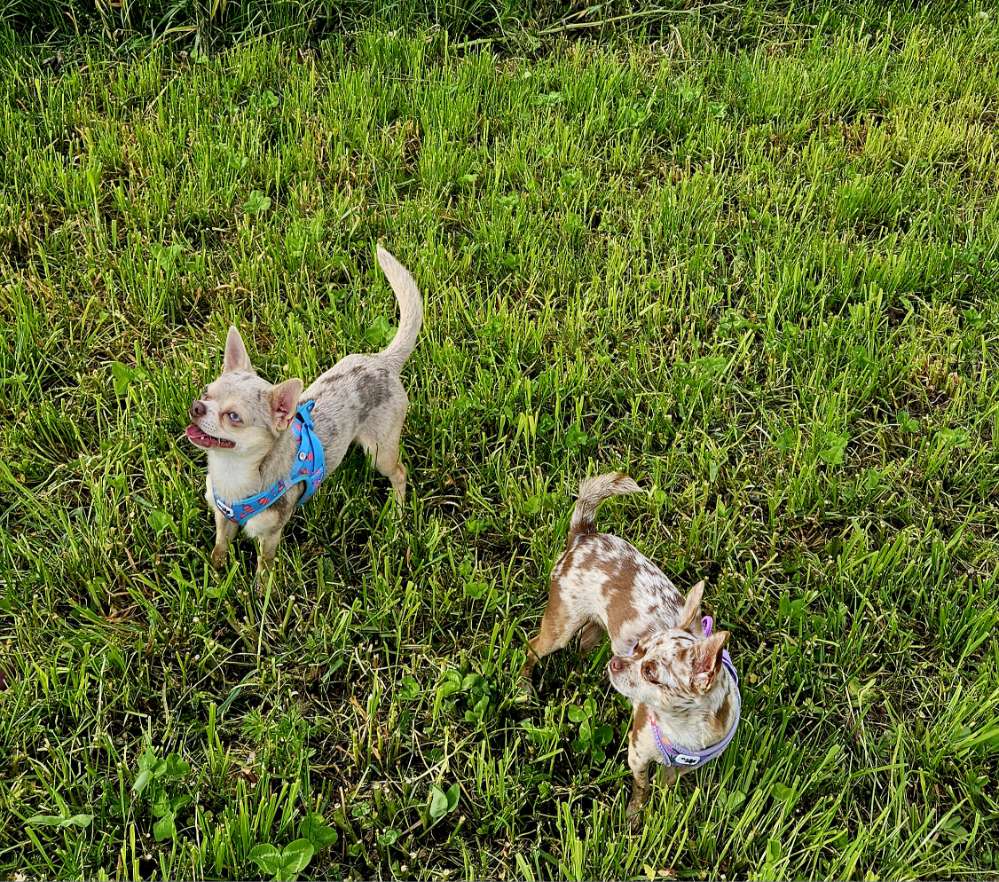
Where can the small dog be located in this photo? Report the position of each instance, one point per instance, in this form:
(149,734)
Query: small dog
(666,660)
(269,446)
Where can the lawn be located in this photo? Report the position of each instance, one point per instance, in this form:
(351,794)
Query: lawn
(755,265)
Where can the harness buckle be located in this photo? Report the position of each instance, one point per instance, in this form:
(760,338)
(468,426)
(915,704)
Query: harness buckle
(681,759)
(225,509)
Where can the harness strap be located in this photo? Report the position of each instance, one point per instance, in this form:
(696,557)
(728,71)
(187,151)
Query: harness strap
(308,467)
(678,755)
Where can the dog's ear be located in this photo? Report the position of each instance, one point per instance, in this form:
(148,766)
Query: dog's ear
(690,615)
(284,401)
(706,661)
(236,358)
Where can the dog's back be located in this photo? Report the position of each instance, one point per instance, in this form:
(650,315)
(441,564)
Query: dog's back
(604,579)
(361,398)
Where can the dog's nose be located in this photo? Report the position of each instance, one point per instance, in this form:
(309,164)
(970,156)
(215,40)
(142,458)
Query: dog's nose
(617,664)
(198,409)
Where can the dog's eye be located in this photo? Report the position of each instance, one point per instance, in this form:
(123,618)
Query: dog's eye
(234,417)
(649,672)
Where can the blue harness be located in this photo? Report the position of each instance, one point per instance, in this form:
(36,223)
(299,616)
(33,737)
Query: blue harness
(308,467)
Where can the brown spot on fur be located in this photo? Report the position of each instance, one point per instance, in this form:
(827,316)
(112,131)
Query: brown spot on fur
(584,557)
(586,549)
(619,611)
(564,563)
(720,719)
(618,589)
(638,722)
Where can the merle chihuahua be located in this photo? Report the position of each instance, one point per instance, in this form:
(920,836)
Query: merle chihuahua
(270,445)
(667,659)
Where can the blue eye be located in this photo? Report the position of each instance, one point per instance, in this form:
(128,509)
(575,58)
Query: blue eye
(234,417)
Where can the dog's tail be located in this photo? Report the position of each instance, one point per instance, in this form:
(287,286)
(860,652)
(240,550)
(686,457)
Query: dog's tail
(592,492)
(410,308)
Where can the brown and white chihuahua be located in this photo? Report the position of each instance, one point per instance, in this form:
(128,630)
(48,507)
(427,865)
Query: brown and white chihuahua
(682,692)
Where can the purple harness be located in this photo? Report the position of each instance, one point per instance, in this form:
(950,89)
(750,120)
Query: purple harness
(308,467)
(677,754)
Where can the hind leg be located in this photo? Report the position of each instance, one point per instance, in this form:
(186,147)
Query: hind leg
(384,455)
(590,636)
(558,626)
(388,464)
(380,440)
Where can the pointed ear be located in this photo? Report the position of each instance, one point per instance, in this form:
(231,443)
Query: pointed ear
(690,615)
(284,401)
(706,660)
(235,358)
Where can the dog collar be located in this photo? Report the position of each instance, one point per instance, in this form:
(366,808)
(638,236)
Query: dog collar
(308,467)
(677,754)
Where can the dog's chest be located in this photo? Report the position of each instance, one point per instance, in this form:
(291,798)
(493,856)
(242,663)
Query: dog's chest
(231,479)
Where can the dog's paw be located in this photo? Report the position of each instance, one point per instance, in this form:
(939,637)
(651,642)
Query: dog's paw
(266,579)
(634,815)
(635,808)
(218,557)
(525,690)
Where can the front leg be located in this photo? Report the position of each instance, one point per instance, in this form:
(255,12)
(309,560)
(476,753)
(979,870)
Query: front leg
(267,545)
(266,528)
(225,532)
(638,762)
(642,752)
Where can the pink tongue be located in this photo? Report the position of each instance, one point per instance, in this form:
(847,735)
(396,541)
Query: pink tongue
(196,436)
(202,439)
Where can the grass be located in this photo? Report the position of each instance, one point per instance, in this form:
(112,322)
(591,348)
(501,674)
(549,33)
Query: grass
(761,278)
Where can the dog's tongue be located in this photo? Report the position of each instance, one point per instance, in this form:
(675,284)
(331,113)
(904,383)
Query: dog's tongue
(196,436)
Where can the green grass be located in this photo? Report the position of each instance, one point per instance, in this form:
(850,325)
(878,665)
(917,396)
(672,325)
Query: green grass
(761,277)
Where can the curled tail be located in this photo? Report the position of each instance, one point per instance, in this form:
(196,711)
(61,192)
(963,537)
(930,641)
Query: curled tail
(410,308)
(592,492)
